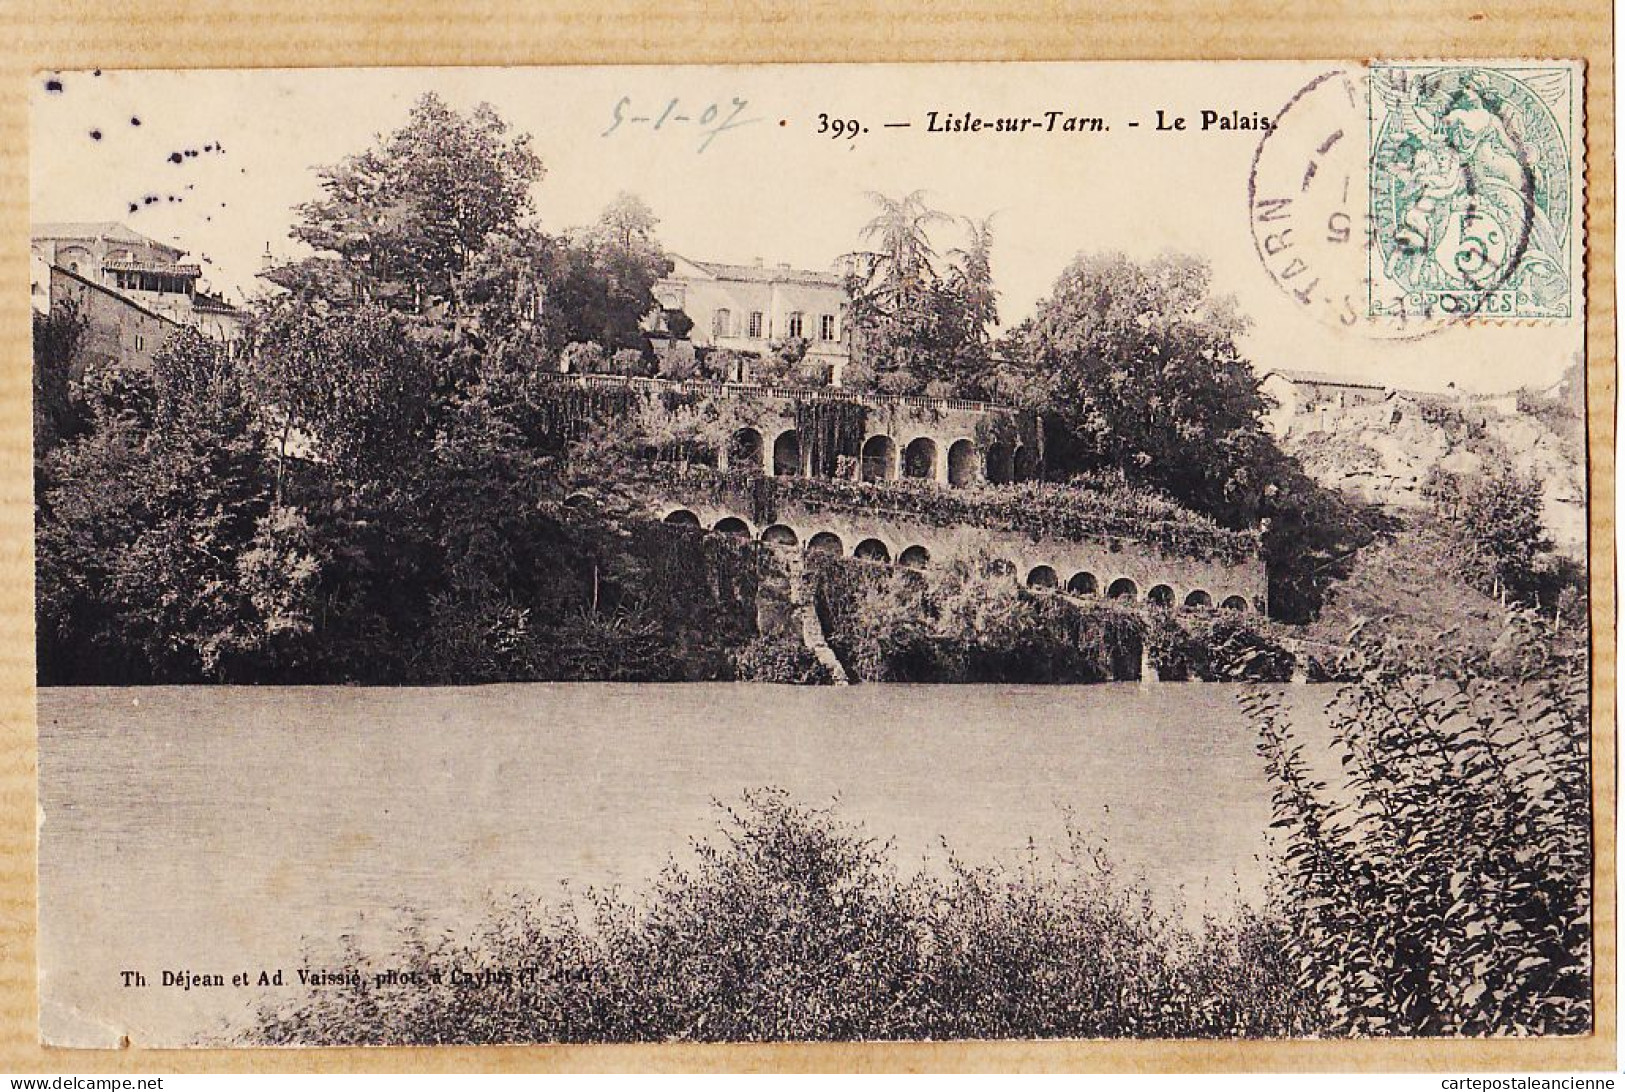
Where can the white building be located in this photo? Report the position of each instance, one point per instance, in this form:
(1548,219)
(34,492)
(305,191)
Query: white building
(747,308)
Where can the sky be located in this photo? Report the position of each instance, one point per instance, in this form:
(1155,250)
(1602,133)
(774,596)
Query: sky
(758,179)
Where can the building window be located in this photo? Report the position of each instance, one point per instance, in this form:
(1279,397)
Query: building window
(795,323)
(826,328)
(722,323)
(140,343)
(755,324)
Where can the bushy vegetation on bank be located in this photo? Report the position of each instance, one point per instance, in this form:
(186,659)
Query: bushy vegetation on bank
(1443,885)
(176,543)
(793,924)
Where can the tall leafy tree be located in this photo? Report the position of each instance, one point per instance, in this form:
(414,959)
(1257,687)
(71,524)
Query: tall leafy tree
(1136,368)
(1497,517)
(913,328)
(405,218)
(972,279)
(901,263)
(623,260)
(534,293)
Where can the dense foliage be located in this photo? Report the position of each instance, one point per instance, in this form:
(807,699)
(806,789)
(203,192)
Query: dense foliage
(373,491)
(914,327)
(1083,510)
(1495,523)
(404,219)
(1136,368)
(793,924)
(1443,887)
(57,337)
(954,624)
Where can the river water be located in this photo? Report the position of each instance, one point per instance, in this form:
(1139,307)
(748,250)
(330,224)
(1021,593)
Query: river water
(224,829)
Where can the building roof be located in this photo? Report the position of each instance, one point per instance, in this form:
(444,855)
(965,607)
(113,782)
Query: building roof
(203,301)
(764,274)
(111,230)
(1322,379)
(121,297)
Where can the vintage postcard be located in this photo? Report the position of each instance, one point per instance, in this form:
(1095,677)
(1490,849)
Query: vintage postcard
(1089,551)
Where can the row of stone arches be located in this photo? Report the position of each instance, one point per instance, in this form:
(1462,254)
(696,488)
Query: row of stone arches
(783,535)
(879,459)
(1086,584)
(1083,584)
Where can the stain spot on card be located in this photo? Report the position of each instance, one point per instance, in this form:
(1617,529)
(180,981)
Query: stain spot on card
(53,85)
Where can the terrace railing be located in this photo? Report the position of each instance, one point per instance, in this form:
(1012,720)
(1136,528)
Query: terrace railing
(775,390)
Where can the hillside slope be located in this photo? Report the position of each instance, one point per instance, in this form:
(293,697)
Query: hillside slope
(1386,452)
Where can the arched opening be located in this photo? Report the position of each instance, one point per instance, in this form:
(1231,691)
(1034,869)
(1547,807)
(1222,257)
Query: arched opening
(962,464)
(915,557)
(1234,602)
(1083,584)
(920,458)
(779,535)
(729,525)
(872,549)
(1198,598)
(998,566)
(1123,588)
(879,459)
(1026,464)
(787,455)
(745,451)
(682,517)
(826,542)
(1162,595)
(1042,576)
(1001,464)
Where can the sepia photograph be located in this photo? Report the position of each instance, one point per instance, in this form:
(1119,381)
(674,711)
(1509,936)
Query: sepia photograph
(812,552)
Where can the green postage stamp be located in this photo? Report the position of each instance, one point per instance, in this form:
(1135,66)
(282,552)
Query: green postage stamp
(1473,202)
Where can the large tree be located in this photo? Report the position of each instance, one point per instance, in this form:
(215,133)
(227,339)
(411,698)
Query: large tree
(914,328)
(1136,368)
(160,556)
(972,279)
(406,217)
(533,293)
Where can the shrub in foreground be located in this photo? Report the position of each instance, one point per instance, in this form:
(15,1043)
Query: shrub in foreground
(792,924)
(1444,887)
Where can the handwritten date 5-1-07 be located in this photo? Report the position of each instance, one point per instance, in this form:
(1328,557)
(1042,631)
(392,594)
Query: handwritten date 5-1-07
(713,119)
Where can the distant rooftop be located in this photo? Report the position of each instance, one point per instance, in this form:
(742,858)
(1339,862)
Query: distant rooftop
(1323,379)
(765,274)
(111,230)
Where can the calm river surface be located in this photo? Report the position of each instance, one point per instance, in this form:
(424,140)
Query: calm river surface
(225,829)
